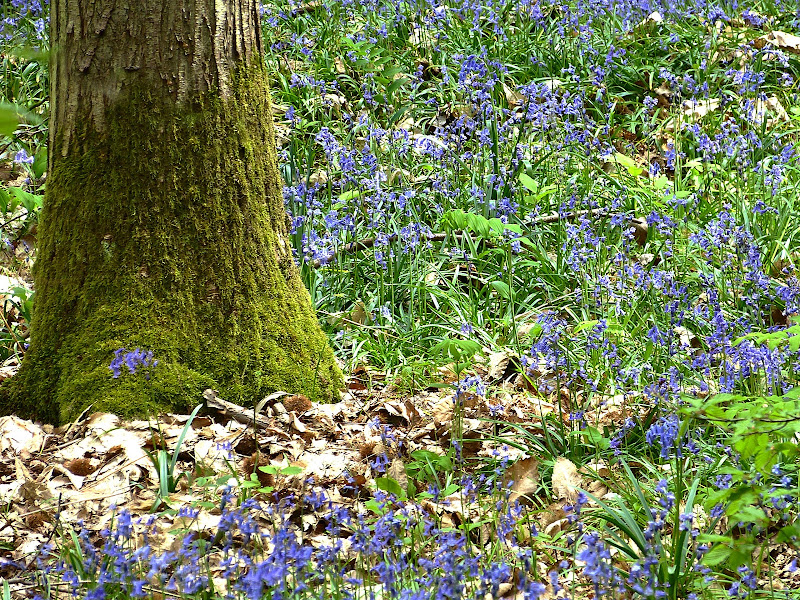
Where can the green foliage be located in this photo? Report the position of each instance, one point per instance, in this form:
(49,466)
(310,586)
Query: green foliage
(165,464)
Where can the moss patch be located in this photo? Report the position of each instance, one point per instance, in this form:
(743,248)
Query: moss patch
(165,232)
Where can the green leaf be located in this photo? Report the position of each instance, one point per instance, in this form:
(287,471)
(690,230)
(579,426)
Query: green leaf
(349,195)
(390,486)
(594,438)
(528,182)
(717,555)
(397,83)
(39,165)
(497,226)
(502,289)
(790,533)
(660,182)
(9,119)
(425,455)
(291,470)
(749,514)
(450,489)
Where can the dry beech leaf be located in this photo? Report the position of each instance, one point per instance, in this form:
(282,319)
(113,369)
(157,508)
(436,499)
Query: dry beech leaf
(513,97)
(566,480)
(297,403)
(80,466)
(524,478)
(397,471)
(697,109)
(502,365)
(783,40)
(19,434)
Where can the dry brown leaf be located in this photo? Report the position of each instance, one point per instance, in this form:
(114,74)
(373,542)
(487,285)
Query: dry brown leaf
(500,363)
(513,97)
(397,471)
(771,111)
(566,480)
(523,476)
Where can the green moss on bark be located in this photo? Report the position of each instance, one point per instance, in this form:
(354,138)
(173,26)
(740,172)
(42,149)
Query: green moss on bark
(166,231)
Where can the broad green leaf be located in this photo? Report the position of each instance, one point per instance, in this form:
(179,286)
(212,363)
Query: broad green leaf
(717,555)
(9,119)
(502,289)
(528,182)
(350,195)
(390,486)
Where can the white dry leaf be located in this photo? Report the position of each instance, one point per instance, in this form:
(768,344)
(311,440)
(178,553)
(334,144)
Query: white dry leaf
(407,123)
(498,363)
(566,480)
(334,100)
(685,336)
(20,434)
(524,478)
(297,425)
(402,409)
(655,17)
(318,177)
(328,464)
(663,90)
(552,529)
(552,83)
(783,40)
(31,545)
(596,467)
(513,97)
(75,480)
(341,68)
(100,422)
(443,410)
(769,110)
(697,109)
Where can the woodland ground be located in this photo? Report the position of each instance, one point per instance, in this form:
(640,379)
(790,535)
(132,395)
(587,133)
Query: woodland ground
(554,246)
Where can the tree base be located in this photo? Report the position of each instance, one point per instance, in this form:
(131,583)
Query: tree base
(166,231)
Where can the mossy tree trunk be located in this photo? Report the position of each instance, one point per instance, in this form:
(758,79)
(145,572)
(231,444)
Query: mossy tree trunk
(163,226)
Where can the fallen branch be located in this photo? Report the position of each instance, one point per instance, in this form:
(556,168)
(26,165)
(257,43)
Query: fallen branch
(247,416)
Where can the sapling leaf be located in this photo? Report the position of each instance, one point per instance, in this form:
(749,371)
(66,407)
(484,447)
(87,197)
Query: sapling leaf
(503,290)
(390,486)
(9,119)
(528,183)
(717,555)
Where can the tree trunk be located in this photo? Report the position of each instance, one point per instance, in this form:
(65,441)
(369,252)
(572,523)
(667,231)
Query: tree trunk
(163,226)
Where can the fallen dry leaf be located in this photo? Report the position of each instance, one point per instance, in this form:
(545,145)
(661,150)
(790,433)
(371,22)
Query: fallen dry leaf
(783,40)
(19,434)
(523,476)
(566,480)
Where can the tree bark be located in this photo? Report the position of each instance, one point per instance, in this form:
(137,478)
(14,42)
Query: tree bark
(163,225)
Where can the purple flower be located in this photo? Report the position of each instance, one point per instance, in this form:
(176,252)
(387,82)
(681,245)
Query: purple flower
(665,431)
(22,158)
(132,359)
